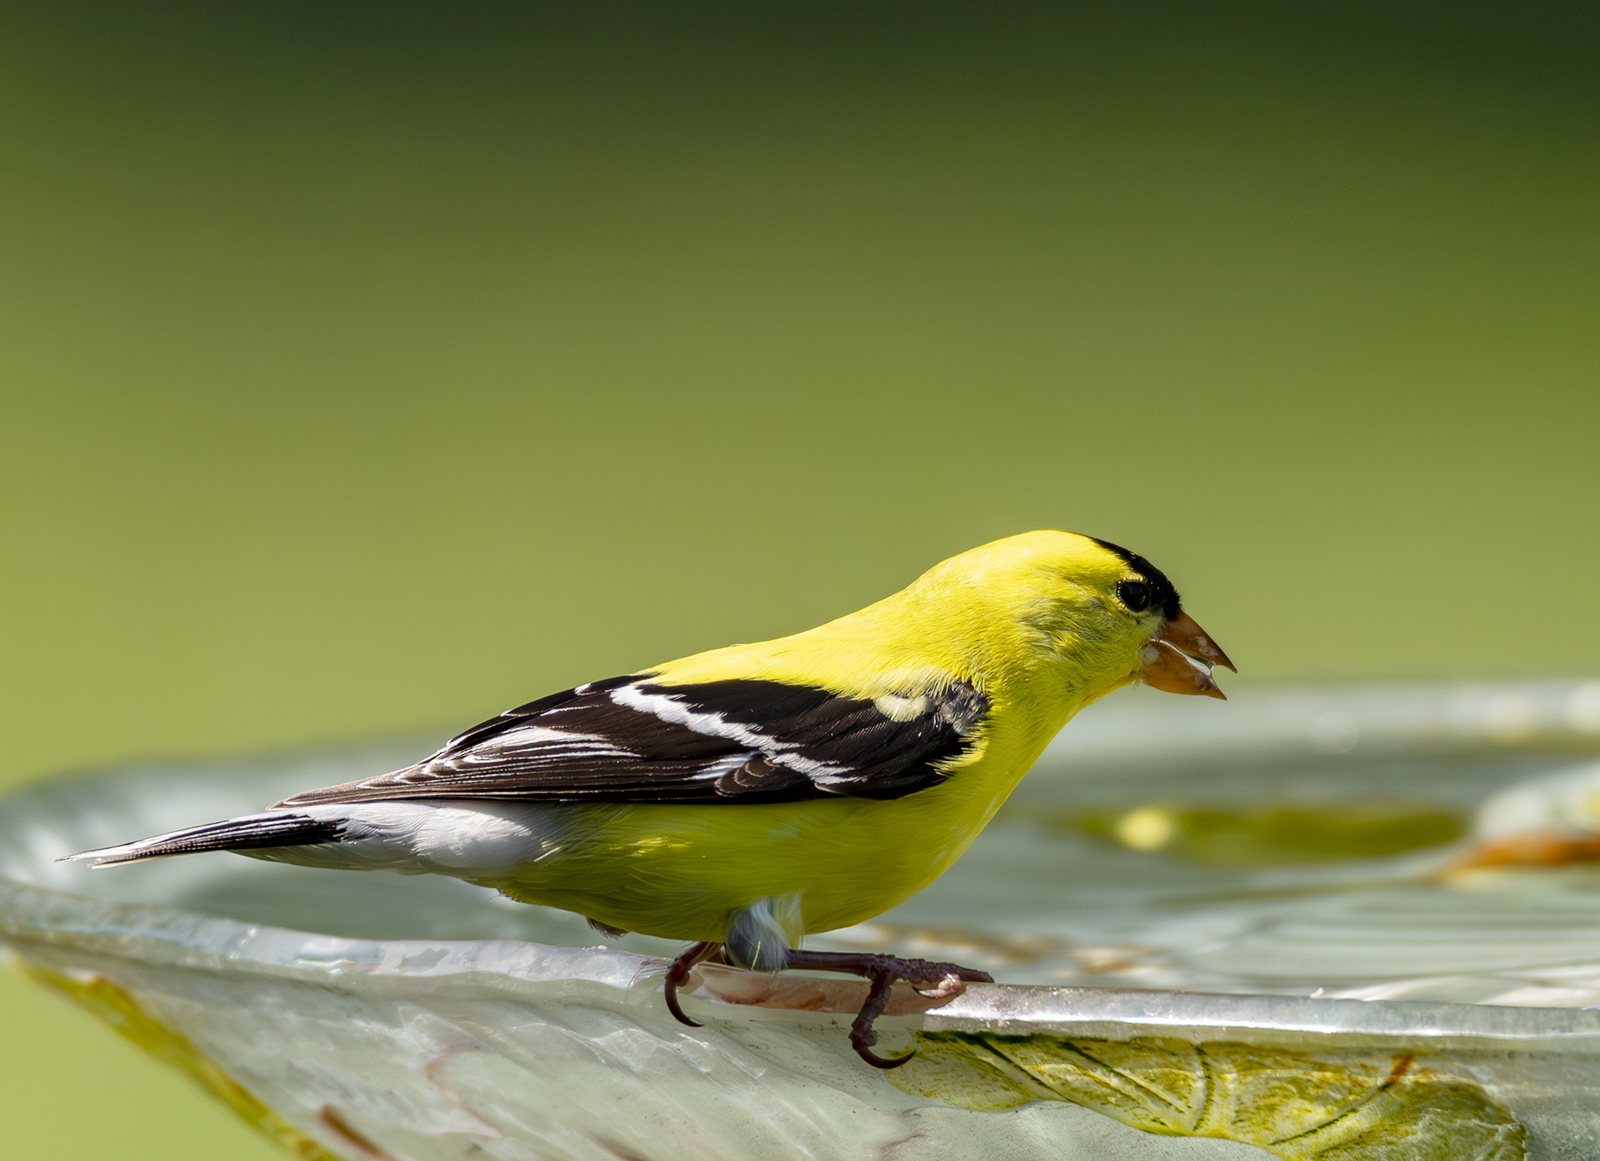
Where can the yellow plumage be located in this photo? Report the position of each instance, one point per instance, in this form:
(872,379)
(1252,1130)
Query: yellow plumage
(1029,620)
(743,797)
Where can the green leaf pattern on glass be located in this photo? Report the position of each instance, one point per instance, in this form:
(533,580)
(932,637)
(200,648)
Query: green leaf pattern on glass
(1341,1105)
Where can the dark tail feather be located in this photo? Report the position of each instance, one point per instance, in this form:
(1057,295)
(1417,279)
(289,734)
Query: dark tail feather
(252,832)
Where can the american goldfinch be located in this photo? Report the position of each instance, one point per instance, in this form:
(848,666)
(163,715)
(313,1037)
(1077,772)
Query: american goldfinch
(746,796)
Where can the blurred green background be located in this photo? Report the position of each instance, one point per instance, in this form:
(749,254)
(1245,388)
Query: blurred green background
(369,368)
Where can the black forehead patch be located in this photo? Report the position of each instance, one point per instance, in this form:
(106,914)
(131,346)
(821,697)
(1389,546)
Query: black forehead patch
(1161,591)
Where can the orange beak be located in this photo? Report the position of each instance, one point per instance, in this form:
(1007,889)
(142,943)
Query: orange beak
(1179,659)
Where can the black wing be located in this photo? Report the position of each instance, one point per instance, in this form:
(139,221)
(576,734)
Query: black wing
(629,740)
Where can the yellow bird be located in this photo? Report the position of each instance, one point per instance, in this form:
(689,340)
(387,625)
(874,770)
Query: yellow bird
(746,796)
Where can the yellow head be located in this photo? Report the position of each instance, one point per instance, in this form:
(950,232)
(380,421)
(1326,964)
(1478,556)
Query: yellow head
(1050,619)
(1096,614)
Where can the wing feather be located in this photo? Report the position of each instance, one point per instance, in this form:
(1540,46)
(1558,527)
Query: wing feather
(628,739)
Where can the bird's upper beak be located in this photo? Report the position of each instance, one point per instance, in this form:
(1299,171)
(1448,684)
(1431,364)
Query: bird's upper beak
(1179,659)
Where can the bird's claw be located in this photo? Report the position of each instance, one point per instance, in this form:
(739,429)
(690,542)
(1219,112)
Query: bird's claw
(863,1035)
(881,971)
(678,974)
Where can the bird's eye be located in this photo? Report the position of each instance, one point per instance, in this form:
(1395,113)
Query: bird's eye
(1134,594)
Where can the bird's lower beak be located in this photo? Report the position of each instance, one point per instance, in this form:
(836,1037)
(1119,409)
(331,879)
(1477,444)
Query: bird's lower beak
(1181,657)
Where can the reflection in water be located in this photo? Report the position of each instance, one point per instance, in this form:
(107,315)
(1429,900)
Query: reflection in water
(1273,833)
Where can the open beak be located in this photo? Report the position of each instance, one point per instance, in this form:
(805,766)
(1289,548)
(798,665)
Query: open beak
(1180,658)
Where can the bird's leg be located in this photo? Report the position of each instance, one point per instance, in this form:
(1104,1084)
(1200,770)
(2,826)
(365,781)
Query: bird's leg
(678,973)
(882,971)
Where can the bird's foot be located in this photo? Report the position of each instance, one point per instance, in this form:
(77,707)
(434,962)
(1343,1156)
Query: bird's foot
(946,979)
(678,973)
(881,971)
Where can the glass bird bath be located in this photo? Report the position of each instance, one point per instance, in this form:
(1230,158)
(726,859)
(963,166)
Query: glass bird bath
(1322,924)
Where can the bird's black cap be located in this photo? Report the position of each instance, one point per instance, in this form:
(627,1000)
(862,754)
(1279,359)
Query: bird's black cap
(1161,591)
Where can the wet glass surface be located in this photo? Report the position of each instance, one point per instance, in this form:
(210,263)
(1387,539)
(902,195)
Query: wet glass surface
(1252,872)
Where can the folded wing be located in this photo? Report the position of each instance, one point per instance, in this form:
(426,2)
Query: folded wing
(630,740)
